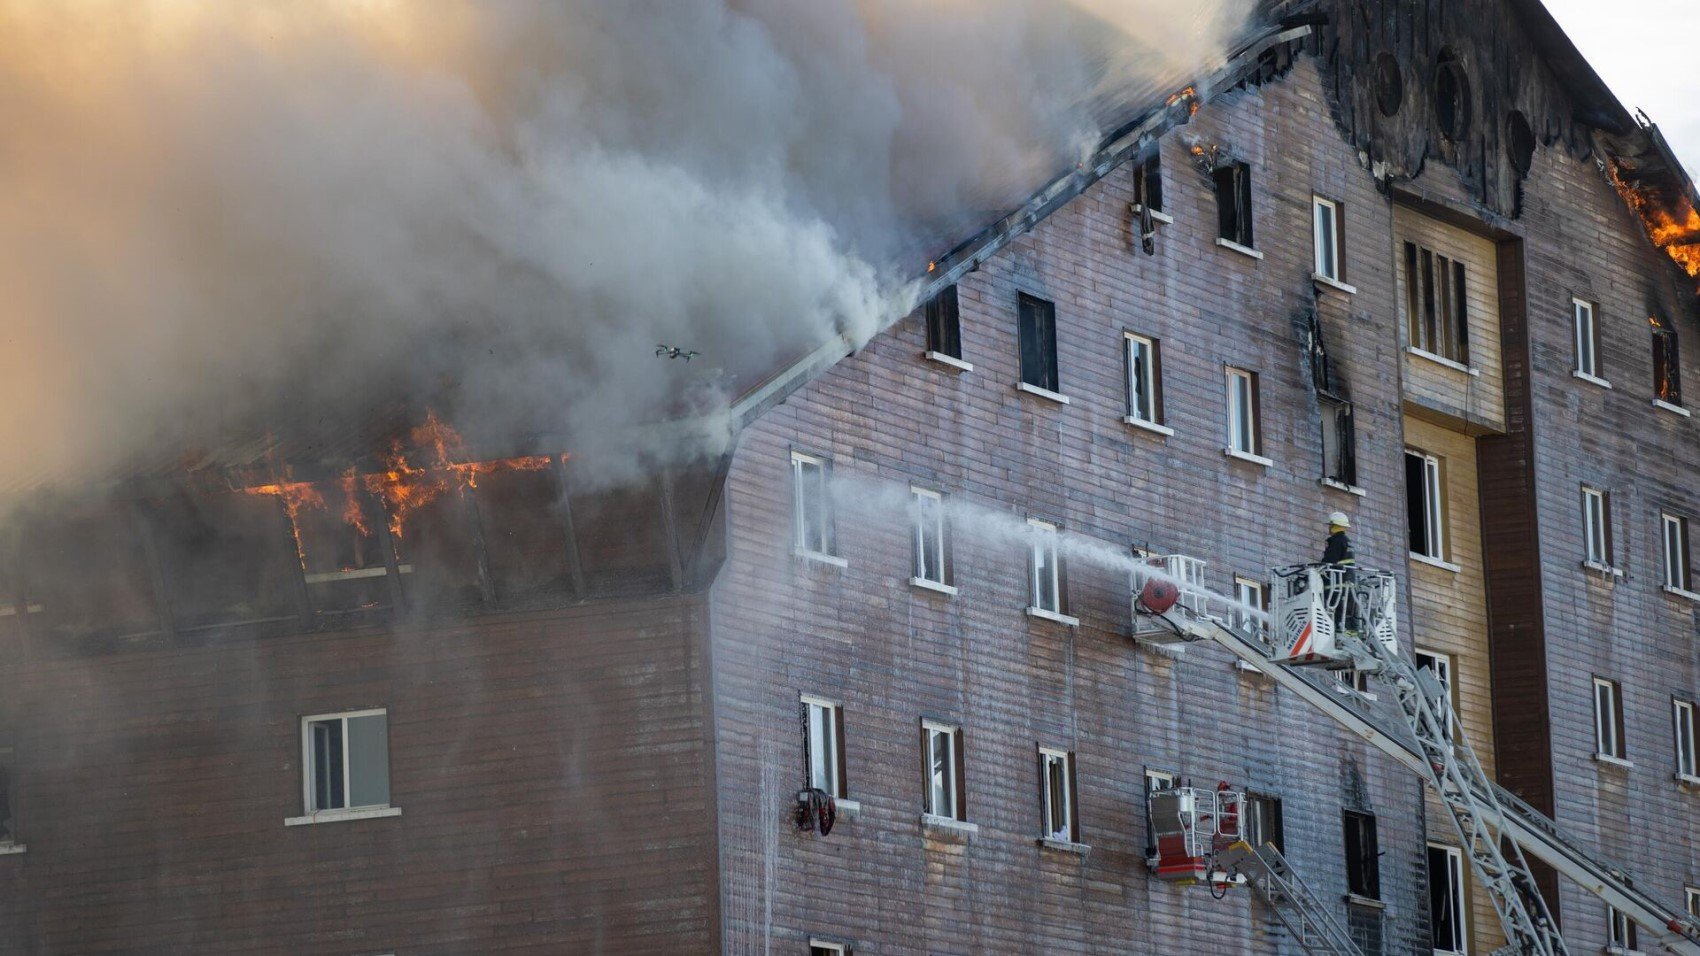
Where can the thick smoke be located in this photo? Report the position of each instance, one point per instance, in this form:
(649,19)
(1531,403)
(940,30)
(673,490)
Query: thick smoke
(223,220)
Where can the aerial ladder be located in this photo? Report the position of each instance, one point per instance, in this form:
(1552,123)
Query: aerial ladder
(1326,618)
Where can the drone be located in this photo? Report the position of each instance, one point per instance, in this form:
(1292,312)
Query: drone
(673,352)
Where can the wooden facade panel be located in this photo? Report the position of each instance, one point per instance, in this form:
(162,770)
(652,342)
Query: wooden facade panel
(1475,398)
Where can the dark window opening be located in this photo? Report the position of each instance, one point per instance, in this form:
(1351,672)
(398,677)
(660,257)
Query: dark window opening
(8,833)
(1263,820)
(944,324)
(226,558)
(1445,900)
(1667,370)
(1389,85)
(87,574)
(1233,203)
(1148,184)
(1437,304)
(1038,319)
(521,515)
(1339,443)
(1451,98)
(1363,856)
(1519,142)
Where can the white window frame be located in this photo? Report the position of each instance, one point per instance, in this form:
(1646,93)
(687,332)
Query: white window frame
(1596,531)
(1434,505)
(1140,358)
(838,949)
(1608,706)
(1691,900)
(308,766)
(823,721)
(1460,898)
(822,544)
(1043,568)
(1622,935)
(948,791)
(1441,665)
(1682,736)
(1251,820)
(1056,784)
(1154,778)
(1673,535)
(927,517)
(1243,427)
(1326,238)
(1249,591)
(1587,339)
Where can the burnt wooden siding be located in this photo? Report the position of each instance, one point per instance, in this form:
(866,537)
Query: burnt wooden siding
(552,769)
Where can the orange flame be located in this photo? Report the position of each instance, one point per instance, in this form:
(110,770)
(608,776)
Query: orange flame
(295,496)
(1191,95)
(1677,235)
(405,487)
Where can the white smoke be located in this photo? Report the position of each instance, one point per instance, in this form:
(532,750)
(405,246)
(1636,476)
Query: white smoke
(223,219)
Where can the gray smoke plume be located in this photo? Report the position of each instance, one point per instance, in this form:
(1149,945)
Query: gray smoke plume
(226,220)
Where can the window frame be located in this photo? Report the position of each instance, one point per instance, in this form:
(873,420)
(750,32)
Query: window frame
(1043,540)
(1363,870)
(955,793)
(1585,338)
(1459,898)
(1445,675)
(1231,182)
(1252,821)
(1339,443)
(919,526)
(1683,730)
(834,715)
(1673,541)
(1596,527)
(1608,719)
(1691,900)
(1036,319)
(1433,489)
(309,765)
(1051,788)
(1148,183)
(1622,933)
(817,947)
(1244,409)
(1437,314)
(1333,212)
(943,313)
(1135,346)
(1667,359)
(1257,589)
(801,462)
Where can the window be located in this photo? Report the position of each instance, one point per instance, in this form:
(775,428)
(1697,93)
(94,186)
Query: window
(1148,183)
(1045,570)
(1155,780)
(1038,320)
(1436,304)
(932,549)
(1328,221)
(941,746)
(819,948)
(1596,527)
(1682,713)
(1356,680)
(1056,784)
(1691,897)
(810,477)
(1363,868)
(1587,340)
(1233,203)
(8,830)
(1440,665)
(1425,504)
(944,324)
(1249,593)
(1244,435)
(1339,443)
(1667,370)
(1446,910)
(347,758)
(1144,380)
(823,745)
(1608,718)
(1675,530)
(1625,937)
(1262,821)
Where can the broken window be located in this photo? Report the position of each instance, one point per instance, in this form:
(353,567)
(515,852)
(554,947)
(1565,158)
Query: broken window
(347,760)
(1233,203)
(1339,443)
(1519,142)
(1148,184)
(8,831)
(342,539)
(1056,786)
(1625,935)
(226,558)
(1038,321)
(823,745)
(1388,84)
(944,324)
(1667,370)
(1437,304)
(86,572)
(1446,911)
(527,543)
(1451,98)
(1363,856)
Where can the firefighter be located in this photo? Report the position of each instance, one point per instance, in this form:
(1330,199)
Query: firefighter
(1338,551)
(1337,554)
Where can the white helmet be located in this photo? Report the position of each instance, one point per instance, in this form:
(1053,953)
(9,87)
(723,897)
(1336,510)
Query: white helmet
(1339,519)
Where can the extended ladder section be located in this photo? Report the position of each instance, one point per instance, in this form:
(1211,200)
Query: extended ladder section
(1342,619)
(1295,904)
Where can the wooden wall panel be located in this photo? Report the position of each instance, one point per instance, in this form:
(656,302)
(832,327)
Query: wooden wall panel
(1474,399)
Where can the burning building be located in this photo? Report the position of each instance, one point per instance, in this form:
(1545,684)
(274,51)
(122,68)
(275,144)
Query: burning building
(857,670)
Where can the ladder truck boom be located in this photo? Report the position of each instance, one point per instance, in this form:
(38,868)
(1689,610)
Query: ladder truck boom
(1339,618)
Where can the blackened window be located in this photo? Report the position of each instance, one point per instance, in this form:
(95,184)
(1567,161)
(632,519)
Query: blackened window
(1437,317)
(1233,203)
(1667,371)
(944,325)
(1148,184)
(8,833)
(1038,342)
(1339,443)
(1363,863)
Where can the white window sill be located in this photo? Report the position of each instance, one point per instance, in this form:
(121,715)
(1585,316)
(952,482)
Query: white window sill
(1620,951)
(1603,568)
(1435,562)
(1156,215)
(1053,616)
(1249,668)
(1151,427)
(848,809)
(927,585)
(1247,456)
(353,574)
(1442,360)
(1342,486)
(1610,761)
(8,849)
(951,825)
(820,558)
(1673,409)
(1686,780)
(1335,284)
(1369,902)
(949,360)
(1679,592)
(1591,379)
(339,816)
(1236,247)
(1066,846)
(1057,397)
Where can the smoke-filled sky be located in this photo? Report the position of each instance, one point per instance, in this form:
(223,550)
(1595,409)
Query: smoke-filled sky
(220,218)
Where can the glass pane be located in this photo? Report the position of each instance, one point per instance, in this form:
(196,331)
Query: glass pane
(369,761)
(822,761)
(940,799)
(326,737)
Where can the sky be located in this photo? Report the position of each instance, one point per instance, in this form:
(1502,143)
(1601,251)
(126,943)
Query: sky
(1641,49)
